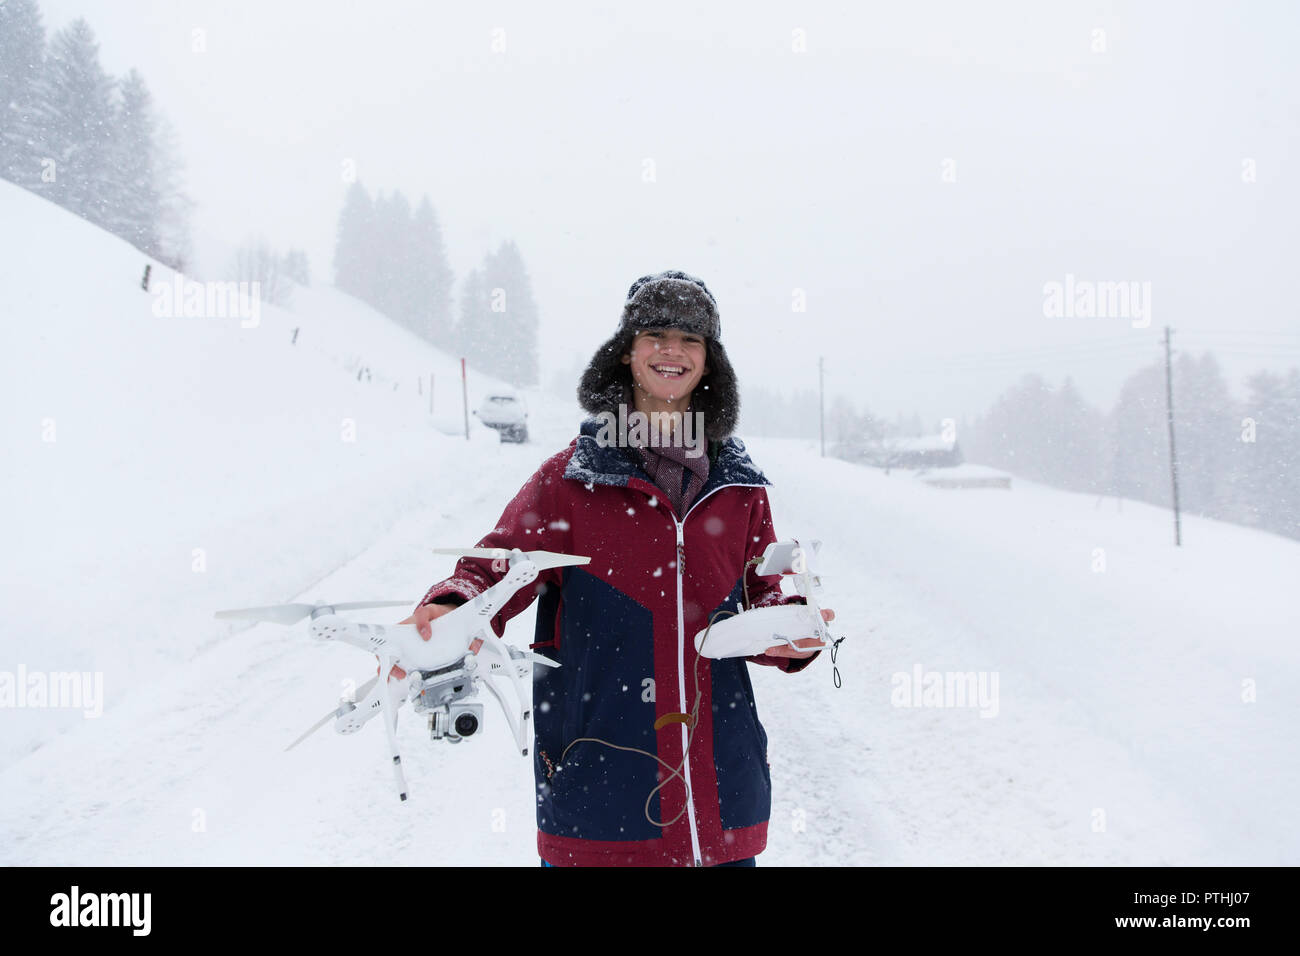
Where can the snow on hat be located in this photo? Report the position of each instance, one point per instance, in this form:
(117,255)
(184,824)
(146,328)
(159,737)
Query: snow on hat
(668,300)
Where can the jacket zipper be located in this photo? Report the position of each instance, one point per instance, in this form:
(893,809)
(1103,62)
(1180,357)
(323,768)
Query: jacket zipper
(681,665)
(681,692)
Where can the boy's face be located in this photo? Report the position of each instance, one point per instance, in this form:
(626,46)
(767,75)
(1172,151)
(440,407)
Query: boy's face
(667,364)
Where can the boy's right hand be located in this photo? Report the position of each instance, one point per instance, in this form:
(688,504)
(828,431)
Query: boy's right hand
(426,613)
(421,618)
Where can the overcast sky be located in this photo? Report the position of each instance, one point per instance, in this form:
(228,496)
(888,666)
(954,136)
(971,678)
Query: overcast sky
(919,170)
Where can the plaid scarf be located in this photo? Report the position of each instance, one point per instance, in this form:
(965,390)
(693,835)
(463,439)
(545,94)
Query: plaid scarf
(679,477)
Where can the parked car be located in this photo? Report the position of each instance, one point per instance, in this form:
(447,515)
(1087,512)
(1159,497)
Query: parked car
(507,414)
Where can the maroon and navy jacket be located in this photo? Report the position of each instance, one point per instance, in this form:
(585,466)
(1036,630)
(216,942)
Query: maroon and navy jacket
(623,629)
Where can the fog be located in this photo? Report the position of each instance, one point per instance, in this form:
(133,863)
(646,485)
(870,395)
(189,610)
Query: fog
(912,176)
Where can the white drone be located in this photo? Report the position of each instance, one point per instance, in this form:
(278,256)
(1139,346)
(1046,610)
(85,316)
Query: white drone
(443,672)
(753,632)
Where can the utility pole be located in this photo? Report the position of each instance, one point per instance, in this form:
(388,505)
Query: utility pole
(464,396)
(821,403)
(1173,455)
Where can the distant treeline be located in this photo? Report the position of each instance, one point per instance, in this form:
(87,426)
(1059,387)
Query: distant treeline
(1238,461)
(394,259)
(89,142)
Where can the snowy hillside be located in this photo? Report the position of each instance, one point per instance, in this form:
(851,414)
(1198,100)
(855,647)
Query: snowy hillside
(1139,704)
(157,467)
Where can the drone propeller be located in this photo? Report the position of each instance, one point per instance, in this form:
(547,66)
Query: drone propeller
(293,613)
(361,694)
(543,559)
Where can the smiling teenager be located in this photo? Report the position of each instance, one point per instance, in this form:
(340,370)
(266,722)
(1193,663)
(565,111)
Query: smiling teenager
(645,753)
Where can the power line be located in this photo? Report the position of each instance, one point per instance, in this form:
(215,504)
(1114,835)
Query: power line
(1288,335)
(1017,361)
(1091,351)
(1291,355)
(1276,340)
(1108,342)
(1254,346)
(1119,343)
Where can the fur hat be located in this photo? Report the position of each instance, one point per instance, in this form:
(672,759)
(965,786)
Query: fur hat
(669,300)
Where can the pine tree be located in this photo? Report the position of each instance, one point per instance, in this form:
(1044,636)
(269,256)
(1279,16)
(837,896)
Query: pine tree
(255,261)
(1015,434)
(475,324)
(22,52)
(174,206)
(1077,464)
(393,268)
(296,267)
(354,250)
(513,324)
(134,209)
(433,278)
(1205,428)
(1269,487)
(1140,438)
(74,116)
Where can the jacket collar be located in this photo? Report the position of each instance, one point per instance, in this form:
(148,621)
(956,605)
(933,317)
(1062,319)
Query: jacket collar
(594,463)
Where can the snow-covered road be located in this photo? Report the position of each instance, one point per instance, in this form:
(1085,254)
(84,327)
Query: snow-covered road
(1105,747)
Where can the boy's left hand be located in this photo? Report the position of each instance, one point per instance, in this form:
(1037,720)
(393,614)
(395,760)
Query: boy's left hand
(814,645)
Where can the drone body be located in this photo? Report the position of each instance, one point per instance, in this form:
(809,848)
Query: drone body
(442,673)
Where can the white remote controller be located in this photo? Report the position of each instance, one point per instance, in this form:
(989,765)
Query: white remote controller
(753,632)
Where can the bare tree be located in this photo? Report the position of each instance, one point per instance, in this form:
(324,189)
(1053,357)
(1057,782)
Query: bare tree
(257,262)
